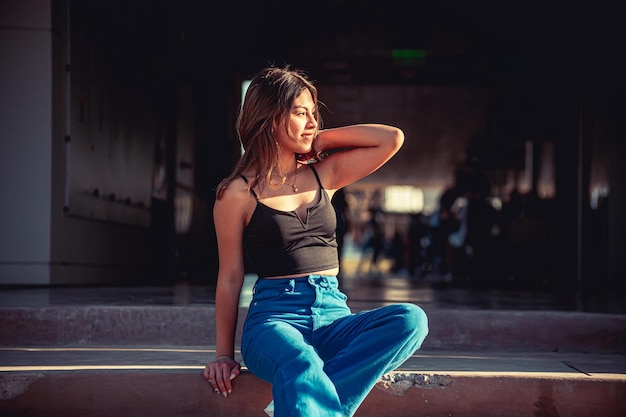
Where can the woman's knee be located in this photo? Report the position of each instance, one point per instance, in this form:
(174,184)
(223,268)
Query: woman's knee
(415,319)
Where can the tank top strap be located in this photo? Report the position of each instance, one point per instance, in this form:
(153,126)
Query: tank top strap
(316,176)
(251,190)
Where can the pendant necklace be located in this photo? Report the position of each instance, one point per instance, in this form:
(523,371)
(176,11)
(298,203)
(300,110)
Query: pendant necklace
(295,178)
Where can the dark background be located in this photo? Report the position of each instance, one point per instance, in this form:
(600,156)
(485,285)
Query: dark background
(170,72)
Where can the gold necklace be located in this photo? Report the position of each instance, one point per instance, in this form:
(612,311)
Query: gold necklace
(295,178)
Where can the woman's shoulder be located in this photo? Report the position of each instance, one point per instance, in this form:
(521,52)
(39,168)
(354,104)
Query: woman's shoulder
(235,204)
(235,194)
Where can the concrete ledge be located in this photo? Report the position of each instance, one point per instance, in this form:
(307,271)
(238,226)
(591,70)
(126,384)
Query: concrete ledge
(473,330)
(118,361)
(103,358)
(156,381)
(184,393)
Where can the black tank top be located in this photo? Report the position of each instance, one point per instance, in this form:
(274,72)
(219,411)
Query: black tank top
(280,243)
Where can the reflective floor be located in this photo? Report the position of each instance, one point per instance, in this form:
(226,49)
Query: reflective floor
(363,292)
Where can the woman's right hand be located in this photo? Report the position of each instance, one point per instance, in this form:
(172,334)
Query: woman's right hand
(220,373)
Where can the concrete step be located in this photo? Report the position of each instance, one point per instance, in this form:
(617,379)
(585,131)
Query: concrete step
(463,330)
(167,381)
(87,360)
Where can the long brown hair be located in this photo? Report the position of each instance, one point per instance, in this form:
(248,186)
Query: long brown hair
(267,103)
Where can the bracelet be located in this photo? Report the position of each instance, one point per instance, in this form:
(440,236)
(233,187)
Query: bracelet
(224,356)
(312,158)
(321,155)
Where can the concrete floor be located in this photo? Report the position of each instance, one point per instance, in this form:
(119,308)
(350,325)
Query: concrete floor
(364,290)
(432,292)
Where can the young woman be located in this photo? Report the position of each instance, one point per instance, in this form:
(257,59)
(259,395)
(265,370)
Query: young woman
(299,334)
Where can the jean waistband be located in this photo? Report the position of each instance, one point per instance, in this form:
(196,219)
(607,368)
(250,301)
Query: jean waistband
(325,281)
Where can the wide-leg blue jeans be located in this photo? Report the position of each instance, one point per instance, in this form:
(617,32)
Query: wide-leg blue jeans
(322,359)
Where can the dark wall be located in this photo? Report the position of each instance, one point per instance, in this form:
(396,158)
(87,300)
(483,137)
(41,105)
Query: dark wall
(551,70)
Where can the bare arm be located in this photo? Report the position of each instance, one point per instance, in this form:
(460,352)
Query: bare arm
(368,147)
(229,216)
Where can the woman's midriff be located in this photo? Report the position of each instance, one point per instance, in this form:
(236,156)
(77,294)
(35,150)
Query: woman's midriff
(328,272)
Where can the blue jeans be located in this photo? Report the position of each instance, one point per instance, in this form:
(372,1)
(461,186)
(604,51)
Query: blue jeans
(322,359)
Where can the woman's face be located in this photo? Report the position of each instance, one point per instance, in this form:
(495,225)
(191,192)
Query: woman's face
(302,126)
